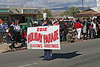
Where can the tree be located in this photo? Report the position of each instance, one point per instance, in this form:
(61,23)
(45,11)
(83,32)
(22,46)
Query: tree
(48,12)
(71,12)
(39,16)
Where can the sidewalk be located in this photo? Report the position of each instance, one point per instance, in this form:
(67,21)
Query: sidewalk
(3,47)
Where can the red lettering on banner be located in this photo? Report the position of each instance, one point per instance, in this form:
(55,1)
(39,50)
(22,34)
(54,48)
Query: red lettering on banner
(37,29)
(51,37)
(35,37)
(51,45)
(45,29)
(36,45)
(40,37)
(44,38)
(47,38)
(30,37)
(41,29)
(56,35)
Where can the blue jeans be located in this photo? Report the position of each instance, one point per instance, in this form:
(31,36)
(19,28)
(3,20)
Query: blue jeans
(92,36)
(87,32)
(84,34)
(3,32)
(47,54)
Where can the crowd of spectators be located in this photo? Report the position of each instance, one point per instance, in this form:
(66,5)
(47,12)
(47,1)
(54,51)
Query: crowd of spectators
(77,29)
(80,29)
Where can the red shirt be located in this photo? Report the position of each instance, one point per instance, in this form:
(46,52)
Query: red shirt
(23,35)
(56,24)
(78,25)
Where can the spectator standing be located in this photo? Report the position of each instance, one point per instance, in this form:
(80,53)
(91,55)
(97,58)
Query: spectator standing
(39,24)
(66,28)
(76,21)
(2,29)
(78,26)
(88,27)
(92,32)
(6,25)
(62,25)
(29,23)
(63,35)
(60,34)
(97,26)
(35,24)
(12,31)
(12,24)
(84,30)
(71,27)
(50,22)
(94,25)
(17,27)
(5,28)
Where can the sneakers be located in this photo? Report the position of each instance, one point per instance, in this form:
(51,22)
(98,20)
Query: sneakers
(10,47)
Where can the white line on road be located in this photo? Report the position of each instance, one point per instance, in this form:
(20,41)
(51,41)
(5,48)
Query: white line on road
(35,63)
(25,65)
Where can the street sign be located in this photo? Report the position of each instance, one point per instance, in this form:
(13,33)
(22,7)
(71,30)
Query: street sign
(43,37)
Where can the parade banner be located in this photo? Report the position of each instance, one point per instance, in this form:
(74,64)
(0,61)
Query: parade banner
(43,37)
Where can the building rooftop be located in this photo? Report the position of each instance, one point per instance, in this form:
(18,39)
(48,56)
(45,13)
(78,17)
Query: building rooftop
(20,10)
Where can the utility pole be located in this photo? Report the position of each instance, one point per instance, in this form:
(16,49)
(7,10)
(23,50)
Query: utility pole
(82,6)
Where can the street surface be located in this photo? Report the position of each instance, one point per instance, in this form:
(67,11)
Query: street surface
(79,54)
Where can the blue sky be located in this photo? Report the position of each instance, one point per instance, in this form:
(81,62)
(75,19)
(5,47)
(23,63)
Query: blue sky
(48,3)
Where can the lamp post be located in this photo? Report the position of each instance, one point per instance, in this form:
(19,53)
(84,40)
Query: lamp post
(82,6)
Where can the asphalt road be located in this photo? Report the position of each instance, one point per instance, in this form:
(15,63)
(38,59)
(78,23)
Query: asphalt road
(79,54)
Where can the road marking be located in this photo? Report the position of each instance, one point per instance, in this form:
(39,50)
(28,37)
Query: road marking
(25,65)
(35,63)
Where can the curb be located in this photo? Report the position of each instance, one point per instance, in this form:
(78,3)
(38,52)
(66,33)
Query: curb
(14,50)
(4,48)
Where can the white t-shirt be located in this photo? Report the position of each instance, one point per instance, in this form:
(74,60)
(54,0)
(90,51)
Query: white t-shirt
(17,27)
(94,25)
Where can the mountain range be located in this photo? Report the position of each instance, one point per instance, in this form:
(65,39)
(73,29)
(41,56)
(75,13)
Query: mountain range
(67,8)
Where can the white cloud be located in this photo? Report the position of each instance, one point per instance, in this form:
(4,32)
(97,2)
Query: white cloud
(48,3)
(89,1)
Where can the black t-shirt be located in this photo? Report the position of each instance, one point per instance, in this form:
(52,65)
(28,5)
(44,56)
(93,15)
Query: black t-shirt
(88,25)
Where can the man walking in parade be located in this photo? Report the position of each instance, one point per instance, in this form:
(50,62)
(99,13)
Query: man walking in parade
(47,53)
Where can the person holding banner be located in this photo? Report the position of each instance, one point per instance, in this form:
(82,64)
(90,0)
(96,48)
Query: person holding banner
(47,53)
(44,37)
